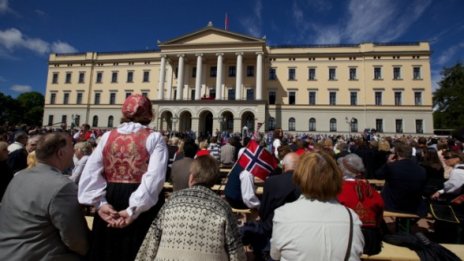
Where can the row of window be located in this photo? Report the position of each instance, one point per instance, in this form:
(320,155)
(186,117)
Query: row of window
(250,72)
(77,120)
(99,77)
(97,97)
(353,98)
(353,125)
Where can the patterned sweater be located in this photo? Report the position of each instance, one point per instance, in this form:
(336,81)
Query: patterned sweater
(195,224)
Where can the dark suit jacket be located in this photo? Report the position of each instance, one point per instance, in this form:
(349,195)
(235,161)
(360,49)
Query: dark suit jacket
(404,183)
(40,218)
(278,190)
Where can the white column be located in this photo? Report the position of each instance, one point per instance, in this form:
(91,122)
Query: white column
(219,77)
(259,76)
(180,77)
(170,76)
(238,76)
(198,77)
(162,78)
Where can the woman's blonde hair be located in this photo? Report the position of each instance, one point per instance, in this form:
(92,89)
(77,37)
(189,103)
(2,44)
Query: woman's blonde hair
(31,160)
(318,176)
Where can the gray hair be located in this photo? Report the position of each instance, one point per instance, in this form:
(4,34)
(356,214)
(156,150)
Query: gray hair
(351,165)
(84,147)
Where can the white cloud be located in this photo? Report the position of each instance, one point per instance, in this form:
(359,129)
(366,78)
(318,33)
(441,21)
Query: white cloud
(62,47)
(449,54)
(253,23)
(12,39)
(21,88)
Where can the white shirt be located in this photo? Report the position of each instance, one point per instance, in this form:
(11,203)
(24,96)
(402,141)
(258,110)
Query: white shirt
(247,186)
(276,144)
(15,146)
(92,185)
(78,168)
(455,181)
(314,230)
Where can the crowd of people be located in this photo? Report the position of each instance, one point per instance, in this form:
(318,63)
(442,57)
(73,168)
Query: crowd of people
(317,203)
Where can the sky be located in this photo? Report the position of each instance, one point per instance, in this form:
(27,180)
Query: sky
(32,29)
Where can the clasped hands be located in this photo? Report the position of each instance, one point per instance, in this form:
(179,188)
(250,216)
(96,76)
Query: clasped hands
(114,218)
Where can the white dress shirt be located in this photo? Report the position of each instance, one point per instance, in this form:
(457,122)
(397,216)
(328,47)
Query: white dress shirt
(78,168)
(247,186)
(92,185)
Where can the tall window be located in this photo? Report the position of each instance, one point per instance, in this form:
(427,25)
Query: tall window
(99,77)
(332,74)
(378,98)
(312,124)
(332,98)
(379,125)
(396,73)
(114,77)
(312,74)
(212,71)
(399,126)
(79,98)
(66,98)
(397,98)
(291,124)
(354,125)
(250,71)
(271,123)
(192,94)
(64,119)
(377,73)
(146,76)
(212,93)
(130,76)
(231,94)
(291,97)
(417,73)
(50,120)
(53,98)
(145,94)
(95,121)
(250,94)
(68,77)
(419,126)
(272,97)
(272,74)
(333,125)
(110,121)
(353,74)
(353,98)
(55,78)
(97,98)
(81,77)
(312,98)
(232,71)
(194,72)
(291,74)
(128,94)
(418,98)
(113,98)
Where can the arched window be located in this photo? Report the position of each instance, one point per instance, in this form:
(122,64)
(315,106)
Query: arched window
(333,124)
(291,124)
(95,121)
(110,122)
(271,123)
(354,125)
(312,124)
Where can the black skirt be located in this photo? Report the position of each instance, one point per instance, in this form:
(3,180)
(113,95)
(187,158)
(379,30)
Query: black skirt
(115,243)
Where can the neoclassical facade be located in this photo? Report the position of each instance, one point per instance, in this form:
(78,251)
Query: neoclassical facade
(213,79)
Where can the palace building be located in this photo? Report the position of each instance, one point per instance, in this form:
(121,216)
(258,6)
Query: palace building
(213,79)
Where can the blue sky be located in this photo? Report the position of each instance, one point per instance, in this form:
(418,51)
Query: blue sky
(31,29)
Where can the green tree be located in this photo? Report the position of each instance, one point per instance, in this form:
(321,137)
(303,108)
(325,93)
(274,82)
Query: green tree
(32,104)
(10,110)
(448,99)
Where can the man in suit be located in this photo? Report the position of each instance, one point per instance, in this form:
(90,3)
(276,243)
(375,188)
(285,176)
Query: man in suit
(180,168)
(278,190)
(404,182)
(40,218)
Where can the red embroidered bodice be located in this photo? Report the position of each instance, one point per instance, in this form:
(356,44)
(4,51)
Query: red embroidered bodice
(369,207)
(125,157)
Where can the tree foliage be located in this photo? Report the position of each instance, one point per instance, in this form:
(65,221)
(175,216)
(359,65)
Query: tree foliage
(448,99)
(27,108)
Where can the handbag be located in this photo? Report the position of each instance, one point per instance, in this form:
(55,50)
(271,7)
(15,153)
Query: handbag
(443,212)
(350,239)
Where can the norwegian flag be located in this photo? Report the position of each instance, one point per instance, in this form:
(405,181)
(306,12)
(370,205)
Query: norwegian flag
(257,160)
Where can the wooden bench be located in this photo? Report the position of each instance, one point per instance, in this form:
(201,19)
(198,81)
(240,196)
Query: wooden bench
(397,253)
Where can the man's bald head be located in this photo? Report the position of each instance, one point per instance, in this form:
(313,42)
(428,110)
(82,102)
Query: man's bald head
(290,161)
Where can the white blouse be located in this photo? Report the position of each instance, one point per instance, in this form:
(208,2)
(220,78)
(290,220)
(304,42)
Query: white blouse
(92,185)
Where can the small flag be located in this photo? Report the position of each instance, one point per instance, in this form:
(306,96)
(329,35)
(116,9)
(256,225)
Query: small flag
(257,160)
(226,23)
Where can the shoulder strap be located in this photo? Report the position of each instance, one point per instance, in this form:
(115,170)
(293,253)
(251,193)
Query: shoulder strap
(350,239)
